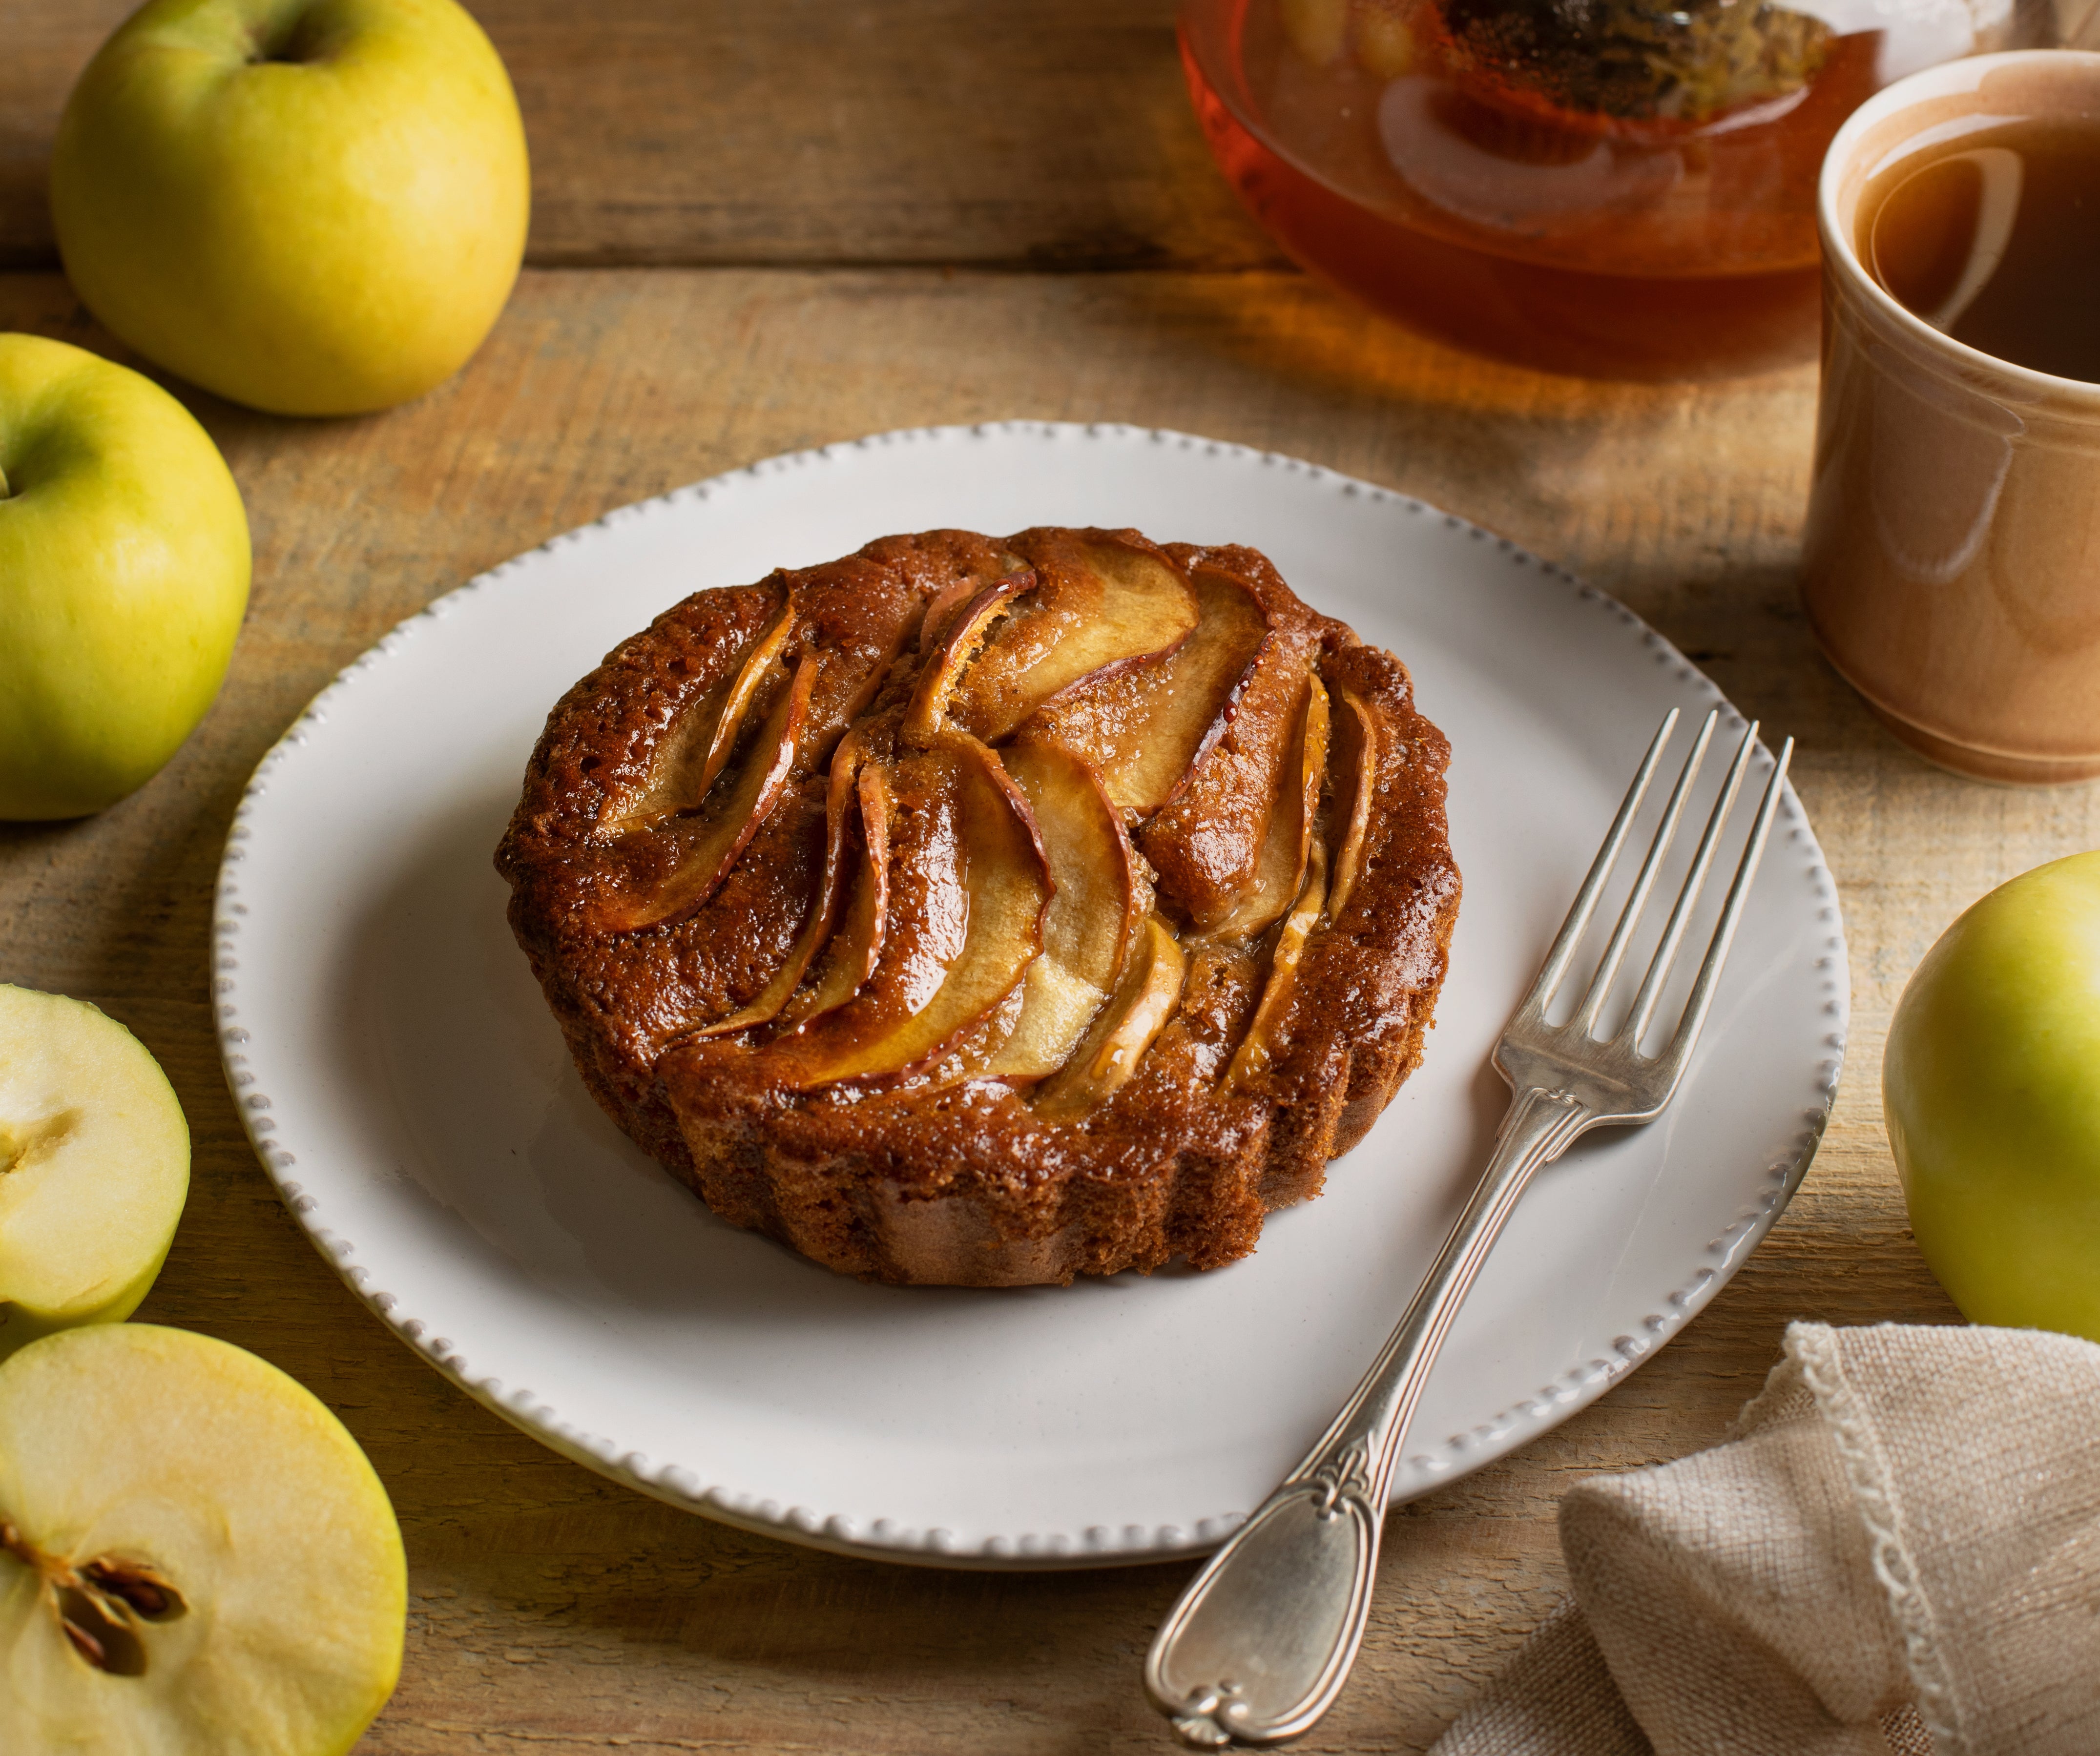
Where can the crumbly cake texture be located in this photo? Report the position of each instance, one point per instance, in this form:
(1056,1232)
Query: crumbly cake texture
(829,805)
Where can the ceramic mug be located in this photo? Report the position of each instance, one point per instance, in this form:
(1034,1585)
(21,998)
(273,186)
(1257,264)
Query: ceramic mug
(1951,568)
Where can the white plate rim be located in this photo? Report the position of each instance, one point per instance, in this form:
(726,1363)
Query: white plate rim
(810,1528)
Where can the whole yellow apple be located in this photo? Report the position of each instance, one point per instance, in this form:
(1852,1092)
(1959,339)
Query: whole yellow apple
(124,566)
(1991,1084)
(316,207)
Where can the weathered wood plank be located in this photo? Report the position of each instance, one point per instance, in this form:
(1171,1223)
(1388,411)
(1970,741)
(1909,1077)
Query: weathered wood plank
(552,1610)
(773,131)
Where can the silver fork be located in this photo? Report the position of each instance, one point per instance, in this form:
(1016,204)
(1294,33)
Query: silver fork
(1261,1643)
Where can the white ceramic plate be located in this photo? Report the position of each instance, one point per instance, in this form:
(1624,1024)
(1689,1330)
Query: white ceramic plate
(410,1093)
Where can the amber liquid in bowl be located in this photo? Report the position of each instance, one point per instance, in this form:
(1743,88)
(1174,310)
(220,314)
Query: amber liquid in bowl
(1654,248)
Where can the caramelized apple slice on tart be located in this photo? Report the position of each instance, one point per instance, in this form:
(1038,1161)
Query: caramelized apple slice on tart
(1103,1061)
(1100,899)
(701,848)
(927,716)
(1258,1048)
(1355,743)
(1213,843)
(1147,727)
(845,810)
(851,954)
(967,887)
(686,760)
(1094,605)
(1279,872)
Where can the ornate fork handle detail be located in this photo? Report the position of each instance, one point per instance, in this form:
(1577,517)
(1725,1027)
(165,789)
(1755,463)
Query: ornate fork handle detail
(1260,1644)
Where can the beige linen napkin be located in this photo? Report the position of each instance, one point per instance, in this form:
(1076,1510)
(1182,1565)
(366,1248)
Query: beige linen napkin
(1898,1549)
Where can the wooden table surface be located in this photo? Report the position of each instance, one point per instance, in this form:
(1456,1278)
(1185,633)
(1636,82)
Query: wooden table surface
(765,224)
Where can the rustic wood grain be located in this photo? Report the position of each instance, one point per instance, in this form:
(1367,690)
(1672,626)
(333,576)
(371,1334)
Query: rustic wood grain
(776,131)
(554,1612)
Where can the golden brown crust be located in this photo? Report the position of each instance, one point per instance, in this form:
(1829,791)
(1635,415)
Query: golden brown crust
(931,1172)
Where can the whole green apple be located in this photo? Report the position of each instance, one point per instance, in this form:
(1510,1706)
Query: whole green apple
(316,207)
(123,576)
(1991,1087)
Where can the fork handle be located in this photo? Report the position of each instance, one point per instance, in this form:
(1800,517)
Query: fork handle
(1262,1641)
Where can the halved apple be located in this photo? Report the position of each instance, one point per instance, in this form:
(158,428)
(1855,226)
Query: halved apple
(1279,874)
(1148,726)
(926,717)
(1125,1030)
(1102,607)
(196,1560)
(1356,765)
(693,752)
(1101,896)
(1257,1049)
(704,847)
(95,1165)
(968,885)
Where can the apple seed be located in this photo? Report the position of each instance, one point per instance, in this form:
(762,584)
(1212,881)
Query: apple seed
(98,1605)
(146,1591)
(18,1146)
(99,1638)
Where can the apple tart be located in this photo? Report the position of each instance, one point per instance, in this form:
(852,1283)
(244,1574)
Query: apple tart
(988,911)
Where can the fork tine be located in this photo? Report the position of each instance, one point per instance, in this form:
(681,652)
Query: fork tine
(1695,881)
(1666,833)
(1585,904)
(1717,951)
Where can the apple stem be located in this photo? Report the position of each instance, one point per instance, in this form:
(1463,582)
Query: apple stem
(6,491)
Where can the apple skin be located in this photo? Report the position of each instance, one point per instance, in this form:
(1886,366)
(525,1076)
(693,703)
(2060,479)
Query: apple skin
(1991,1084)
(124,570)
(315,207)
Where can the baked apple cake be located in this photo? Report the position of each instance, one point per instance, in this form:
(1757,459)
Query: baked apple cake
(986,911)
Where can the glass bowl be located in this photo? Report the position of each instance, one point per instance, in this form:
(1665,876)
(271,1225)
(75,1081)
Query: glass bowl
(1620,188)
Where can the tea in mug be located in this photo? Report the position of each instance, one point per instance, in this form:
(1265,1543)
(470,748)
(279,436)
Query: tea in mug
(1993,238)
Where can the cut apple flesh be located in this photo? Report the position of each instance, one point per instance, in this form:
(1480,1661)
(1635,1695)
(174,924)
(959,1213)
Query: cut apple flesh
(842,809)
(1279,873)
(1100,899)
(196,1560)
(1257,1049)
(1355,751)
(95,1165)
(969,886)
(707,845)
(1116,606)
(1150,726)
(926,717)
(698,743)
(1113,1049)
(1055,1008)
